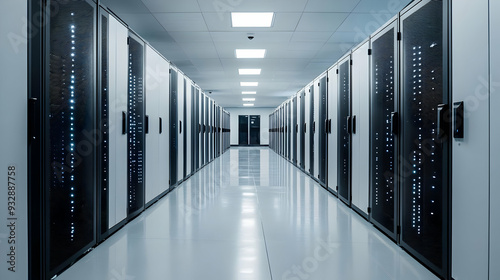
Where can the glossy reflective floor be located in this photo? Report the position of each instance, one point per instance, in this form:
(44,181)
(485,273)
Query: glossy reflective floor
(248,215)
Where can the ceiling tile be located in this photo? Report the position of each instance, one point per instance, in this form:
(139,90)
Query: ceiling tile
(311,36)
(125,6)
(317,22)
(381,6)
(196,50)
(143,23)
(182,21)
(172,6)
(362,24)
(331,6)
(277,6)
(191,37)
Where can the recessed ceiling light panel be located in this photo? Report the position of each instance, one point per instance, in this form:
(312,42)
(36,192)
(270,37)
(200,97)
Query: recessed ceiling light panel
(252,19)
(250,53)
(248,104)
(248,99)
(248,92)
(249,71)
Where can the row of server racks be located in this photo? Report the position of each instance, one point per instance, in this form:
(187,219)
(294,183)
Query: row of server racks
(398,130)
(108,126)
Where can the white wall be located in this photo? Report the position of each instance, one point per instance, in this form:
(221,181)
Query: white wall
(264,122)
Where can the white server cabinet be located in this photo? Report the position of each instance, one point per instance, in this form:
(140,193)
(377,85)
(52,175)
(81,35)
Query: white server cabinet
(157,85)
(470,205)
(494,136)
(302,126)
(117,115)
(332,129)
(361,128)
(307,129)
(181,126)
(293,133)
(316,130)
(13,152)
(285,129)
(210,130)
(201,132)
(189,120)
(206,129)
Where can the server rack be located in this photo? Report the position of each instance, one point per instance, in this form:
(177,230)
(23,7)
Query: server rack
(196,129)
(307,130)
(360,128)
(316,129)
(174,127)
(302,130)
(202,129)
(207,130)
(322,129)
(63,177)
(113,73)
(332,130)
(135,126)
(384,128)
(188,126)
(289,129)
(344,130)
(312,129)
(294,130)
(425,145)
(181,131)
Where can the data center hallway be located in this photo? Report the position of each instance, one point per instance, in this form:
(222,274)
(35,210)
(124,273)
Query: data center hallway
(249,214)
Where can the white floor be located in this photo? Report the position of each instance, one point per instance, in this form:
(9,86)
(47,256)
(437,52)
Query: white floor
(248,215)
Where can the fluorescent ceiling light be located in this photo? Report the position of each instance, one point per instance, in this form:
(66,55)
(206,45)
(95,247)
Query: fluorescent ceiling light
(248,104)
(249,84)
(249,71)
(250,53)
(248,92)
(252,19)
(248,99)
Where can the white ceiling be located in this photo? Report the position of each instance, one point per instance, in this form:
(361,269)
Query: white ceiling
(307,37)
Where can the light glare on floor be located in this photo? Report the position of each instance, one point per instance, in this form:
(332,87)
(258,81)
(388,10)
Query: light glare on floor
(250,53)
(249,71)
(252,19)
(249,84)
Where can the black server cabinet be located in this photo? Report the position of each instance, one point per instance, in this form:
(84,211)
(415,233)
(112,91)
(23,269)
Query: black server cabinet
(103,116)
(302,127)
(174,120)
(202,130)
(424,173)
(196,129)
(135,127)
(288,130)
(344,133)
(62,184)
(322,129)
(295,130)
(384,130)
(207,130)
(184,129)
(312,130)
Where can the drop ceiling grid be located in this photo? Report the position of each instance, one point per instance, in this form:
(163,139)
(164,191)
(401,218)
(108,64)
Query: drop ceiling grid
(196,35)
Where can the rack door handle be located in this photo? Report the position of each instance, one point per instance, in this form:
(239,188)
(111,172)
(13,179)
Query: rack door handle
(180,127)
(124,122)
(314,126)
(146,124)
(348,124)
(394,123)
(354,124)
(160,130)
